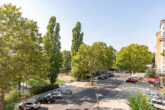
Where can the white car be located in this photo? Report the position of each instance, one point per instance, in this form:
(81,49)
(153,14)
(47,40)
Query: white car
(64,91)
(32,105)
(95,79)
(152,94)
(57,94)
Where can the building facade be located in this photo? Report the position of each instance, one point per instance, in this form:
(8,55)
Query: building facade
(160,47)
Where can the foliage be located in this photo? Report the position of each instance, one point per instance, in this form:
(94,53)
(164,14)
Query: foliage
(152,73)
(139,102)
(90,59)
(163,53)
(134,57)
(66,55)
(77,38)
(11,99)
(21,53)
(153,60)
(52,47)
(39,86)
(80,62)
(58,81)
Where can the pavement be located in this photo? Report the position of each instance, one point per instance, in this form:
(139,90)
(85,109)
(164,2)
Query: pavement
(86,98)
(119,101)
(114,91)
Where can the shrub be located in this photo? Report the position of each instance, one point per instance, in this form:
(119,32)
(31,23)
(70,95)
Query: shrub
(81,75)
(152,73)
(39,86)
(11,99)
(139,102)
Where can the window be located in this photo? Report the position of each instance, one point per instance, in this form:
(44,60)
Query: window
(163,33)
(163,26)
(163,68)
(163,60)
(163,45)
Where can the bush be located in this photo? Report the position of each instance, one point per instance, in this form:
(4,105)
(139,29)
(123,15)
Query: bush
(39,86)
(11,99)
(152,74)
(139,102)
(80,76)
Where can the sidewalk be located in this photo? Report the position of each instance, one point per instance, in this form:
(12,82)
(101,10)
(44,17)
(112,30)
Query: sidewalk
(107,104)
(116,103)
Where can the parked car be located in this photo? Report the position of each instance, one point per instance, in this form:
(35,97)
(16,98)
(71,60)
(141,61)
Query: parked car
(57,94)
(153,94)
(32,105)
(156,101)
(131,80)
(109,75)
(106,76)
(101,77)
(64,91)
(47,99)
(95,79)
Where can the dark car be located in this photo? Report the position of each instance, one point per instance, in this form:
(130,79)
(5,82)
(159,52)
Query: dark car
(47,99)
(108,75)
(31,105)
(101,77)
(131,80)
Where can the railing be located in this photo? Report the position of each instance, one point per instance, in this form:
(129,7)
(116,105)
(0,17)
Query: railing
(162,38)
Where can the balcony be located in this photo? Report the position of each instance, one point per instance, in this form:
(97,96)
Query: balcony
(162,38)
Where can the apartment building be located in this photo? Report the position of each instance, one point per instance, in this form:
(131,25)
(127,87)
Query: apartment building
(160,47)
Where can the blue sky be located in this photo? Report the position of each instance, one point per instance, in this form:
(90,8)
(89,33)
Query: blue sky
(116,22)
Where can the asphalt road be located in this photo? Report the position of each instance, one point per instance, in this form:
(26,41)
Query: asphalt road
(86,99)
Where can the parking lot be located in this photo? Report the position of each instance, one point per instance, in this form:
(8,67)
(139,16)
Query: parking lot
(114,91)
(86,99)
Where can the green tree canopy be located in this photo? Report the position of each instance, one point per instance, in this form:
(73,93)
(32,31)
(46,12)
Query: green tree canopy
(133,57)
(66,60)
(52,47)
(21,54)
(77,38)
(90,59)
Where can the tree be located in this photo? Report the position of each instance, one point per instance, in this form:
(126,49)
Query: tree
(77,38)
(109,59)
(134,57)
(66,60)
(139,102)
(52,47)
(102,58)
(21,53)
(153,60)
(90,59)
(80,62)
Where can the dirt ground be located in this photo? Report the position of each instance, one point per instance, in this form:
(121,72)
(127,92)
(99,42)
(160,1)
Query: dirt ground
(65,78)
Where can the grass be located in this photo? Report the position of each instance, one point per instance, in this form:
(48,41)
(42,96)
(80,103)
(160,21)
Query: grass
(58,81)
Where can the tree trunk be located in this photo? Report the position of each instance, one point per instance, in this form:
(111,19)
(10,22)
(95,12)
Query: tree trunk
(19,86)
(2,95)
(23,88)
(91,79)
(132,72)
